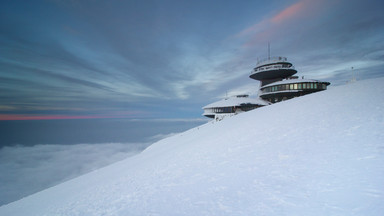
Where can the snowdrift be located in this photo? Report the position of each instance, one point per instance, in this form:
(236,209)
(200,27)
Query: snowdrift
(320,154)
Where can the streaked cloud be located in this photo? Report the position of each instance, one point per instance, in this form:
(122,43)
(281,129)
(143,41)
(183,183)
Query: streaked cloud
(109,56)
(323,39)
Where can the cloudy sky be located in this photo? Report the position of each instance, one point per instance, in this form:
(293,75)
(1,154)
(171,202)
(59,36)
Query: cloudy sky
(26,170)
(166,59)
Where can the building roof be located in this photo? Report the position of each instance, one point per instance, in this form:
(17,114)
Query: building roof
(236,101)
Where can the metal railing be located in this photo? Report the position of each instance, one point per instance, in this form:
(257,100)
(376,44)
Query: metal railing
(271,60)
(273,67)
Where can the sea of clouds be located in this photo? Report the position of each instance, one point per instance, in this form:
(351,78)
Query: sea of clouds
(28,169)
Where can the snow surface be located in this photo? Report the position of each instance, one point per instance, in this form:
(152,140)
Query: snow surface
(320,154)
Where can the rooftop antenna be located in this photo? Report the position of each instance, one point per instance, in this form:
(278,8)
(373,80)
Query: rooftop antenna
(269,51)
(353,75)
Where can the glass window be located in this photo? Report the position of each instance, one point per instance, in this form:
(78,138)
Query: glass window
(304,86)
(315,85)
(323,86)
(291,86)
(299,86)
(311,86)
(295,86)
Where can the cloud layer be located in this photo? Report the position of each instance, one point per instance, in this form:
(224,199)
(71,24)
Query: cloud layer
(29,169)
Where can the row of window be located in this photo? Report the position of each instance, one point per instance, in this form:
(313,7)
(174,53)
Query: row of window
(223,110)
(232,109)
(295,86)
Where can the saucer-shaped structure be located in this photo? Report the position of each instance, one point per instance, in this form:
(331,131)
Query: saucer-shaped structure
(272,69)
(290,88)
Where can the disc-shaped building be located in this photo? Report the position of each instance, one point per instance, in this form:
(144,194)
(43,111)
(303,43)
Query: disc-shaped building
(277,84)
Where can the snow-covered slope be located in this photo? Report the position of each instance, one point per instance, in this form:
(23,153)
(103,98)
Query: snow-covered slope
(321,154)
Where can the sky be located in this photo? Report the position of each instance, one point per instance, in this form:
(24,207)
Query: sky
(167,59)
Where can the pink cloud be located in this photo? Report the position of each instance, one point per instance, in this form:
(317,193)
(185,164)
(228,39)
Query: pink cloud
(268,23)
(282,23)
(44,117)
(5,117)
(289,12)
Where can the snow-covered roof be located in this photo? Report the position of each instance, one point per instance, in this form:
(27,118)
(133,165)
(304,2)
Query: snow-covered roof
(236,101)
(289,81)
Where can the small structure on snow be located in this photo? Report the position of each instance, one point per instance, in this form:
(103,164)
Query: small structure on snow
(232,106)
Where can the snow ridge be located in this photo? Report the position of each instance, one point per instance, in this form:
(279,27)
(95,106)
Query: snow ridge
(320,154)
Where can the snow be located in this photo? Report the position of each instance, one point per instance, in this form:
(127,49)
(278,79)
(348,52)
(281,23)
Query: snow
(320,154)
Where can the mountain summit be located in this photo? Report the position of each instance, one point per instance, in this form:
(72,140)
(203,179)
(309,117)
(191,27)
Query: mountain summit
(321,154)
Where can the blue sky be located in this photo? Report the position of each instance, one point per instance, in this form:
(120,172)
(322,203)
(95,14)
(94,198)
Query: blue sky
(167,59)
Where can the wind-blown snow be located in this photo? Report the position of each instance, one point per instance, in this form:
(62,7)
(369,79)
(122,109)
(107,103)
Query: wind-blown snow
(320,154)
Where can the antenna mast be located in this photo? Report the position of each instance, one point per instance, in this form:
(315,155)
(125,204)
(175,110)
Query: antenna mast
(353,75)
(269,51)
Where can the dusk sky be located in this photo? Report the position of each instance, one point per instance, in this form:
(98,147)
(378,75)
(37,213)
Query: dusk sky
(167,59)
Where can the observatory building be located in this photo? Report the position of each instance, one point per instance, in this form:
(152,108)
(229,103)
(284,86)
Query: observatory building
(278,82)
